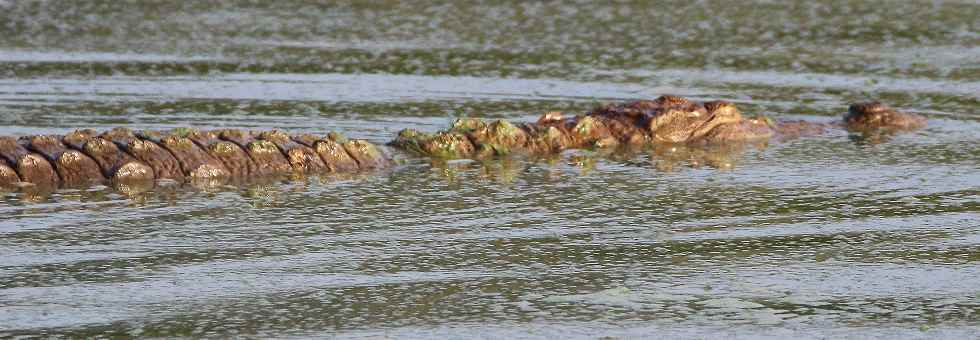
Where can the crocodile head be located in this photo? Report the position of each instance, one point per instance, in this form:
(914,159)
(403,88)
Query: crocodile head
(757,128)
(878,116)
(681,121)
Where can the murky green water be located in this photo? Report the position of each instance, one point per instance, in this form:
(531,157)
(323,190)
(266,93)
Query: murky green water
(827,236)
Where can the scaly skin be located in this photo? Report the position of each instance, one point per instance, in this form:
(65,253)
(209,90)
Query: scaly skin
(665,120)
(86,157)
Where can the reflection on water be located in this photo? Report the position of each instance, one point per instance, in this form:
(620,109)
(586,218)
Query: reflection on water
(721,157)
(832,236)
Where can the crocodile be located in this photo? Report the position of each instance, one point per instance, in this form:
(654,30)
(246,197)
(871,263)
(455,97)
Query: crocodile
(666,120)
(86,157)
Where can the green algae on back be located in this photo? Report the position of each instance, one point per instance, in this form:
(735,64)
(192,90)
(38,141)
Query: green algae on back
(498,138)
(448,145)
(366,154)
(464,125)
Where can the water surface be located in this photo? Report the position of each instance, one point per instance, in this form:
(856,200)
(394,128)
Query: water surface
(824,237)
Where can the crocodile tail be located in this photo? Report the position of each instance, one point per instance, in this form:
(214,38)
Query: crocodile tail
(86,157)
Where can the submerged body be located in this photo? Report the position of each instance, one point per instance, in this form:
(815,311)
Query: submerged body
(85,157)
(665,120)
